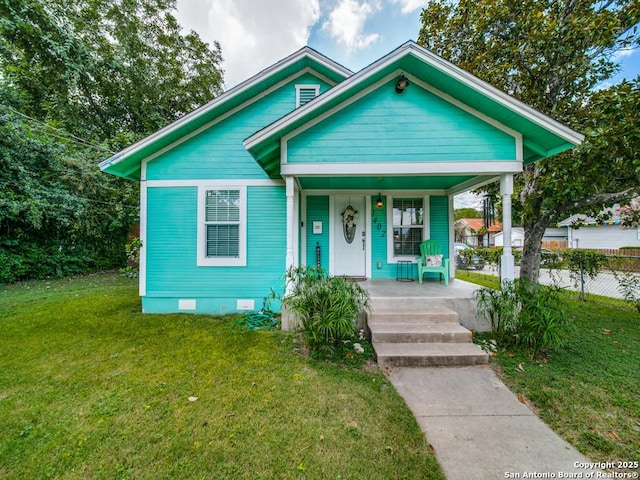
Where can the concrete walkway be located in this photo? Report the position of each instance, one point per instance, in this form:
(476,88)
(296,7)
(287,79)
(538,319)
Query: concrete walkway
(478,428)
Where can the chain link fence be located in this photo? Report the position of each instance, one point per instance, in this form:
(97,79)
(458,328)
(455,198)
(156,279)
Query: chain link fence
(619,278)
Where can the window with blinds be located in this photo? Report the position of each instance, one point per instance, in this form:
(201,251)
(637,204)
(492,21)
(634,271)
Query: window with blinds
(222,223)
(306,93)
(408,226)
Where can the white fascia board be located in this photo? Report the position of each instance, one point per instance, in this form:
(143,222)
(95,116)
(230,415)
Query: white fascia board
(435,61)
(461,167)
(463,106)
(447,98)
(326,97)
(229,113)
(230,94)
(499,96)
(315,120)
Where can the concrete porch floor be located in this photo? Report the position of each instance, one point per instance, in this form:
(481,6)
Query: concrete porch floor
(388,287)
(458,296)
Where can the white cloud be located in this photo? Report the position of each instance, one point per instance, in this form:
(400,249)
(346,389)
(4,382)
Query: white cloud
(253,35)
(621,54)
(409,6)
(467,200)
(346,23)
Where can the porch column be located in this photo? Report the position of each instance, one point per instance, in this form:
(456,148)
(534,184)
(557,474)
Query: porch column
(507,265)
(290,192)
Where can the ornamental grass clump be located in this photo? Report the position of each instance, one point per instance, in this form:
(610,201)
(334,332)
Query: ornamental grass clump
(524,315)
(327,309)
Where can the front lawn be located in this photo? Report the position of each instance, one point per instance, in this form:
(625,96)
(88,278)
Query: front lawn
(91,388)
(589,391)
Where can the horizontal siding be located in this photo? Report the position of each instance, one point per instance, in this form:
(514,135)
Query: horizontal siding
(606,236)
(171,247)
(218,152)
(318,210)
(416,126)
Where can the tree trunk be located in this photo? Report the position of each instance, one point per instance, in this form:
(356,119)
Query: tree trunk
(531,254)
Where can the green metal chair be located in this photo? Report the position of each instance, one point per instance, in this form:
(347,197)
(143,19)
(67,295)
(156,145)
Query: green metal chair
(431,260)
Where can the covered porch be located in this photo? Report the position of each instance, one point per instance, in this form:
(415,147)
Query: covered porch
(412,130)
(392,220)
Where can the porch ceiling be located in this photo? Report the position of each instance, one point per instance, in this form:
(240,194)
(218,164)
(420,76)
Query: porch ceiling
(384,183)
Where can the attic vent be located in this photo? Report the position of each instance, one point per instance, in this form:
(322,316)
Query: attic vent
(306,93)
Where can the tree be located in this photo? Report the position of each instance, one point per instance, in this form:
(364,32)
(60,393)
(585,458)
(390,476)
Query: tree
(105,68)
(551,54)
(80,79)
(467,212)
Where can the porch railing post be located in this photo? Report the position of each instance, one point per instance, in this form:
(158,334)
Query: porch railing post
(290,191)
(507,264)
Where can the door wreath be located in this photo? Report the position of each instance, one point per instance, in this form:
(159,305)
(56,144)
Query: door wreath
(349,222)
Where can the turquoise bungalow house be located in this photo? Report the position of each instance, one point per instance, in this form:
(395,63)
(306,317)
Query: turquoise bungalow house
(309,163)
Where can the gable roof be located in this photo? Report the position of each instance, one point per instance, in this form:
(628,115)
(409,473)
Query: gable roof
(478,223)
(542,135)
(127,162)
(580,220)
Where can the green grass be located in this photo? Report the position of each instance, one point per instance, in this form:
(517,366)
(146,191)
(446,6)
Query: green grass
(589,391)
(483,279)
(91,388)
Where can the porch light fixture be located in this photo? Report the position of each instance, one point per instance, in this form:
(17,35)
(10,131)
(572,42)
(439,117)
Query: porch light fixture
(379,203)
(402,83)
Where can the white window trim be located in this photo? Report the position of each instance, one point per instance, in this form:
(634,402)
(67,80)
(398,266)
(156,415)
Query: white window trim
(391,259)
(203,260)
(306,86)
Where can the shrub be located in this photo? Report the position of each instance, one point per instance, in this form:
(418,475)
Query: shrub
(499,308)
(523,314)
(132,248)
(542,323)
(493,255)
(629,287)
(327,307)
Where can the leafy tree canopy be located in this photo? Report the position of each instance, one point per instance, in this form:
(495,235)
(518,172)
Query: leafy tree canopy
(467,212)
(105,68)
(80,79)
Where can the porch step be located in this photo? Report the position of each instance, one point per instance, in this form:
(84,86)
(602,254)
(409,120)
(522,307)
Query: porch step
(420,334)
(429,354)
(434,314)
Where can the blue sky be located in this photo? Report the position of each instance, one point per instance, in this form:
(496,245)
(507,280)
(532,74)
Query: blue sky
(256,33)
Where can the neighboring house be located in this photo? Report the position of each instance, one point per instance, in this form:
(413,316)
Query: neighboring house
(517,237)
(587,232)
(553,238)
(309,163)
(472,232)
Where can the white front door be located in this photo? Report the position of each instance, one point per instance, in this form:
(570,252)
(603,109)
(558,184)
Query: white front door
(349,240)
